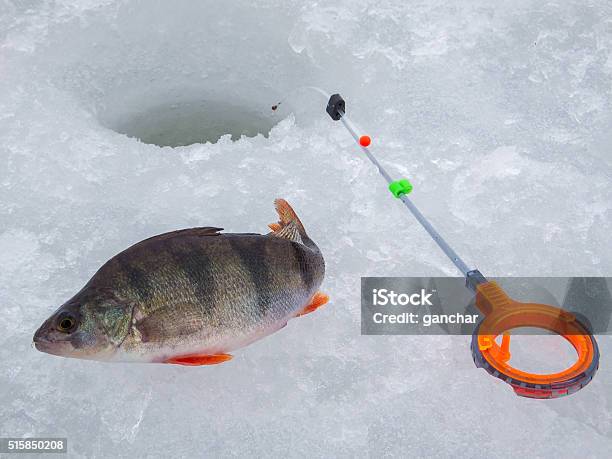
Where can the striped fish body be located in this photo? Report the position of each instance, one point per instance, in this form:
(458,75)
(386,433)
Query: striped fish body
(190,296)
(198,291)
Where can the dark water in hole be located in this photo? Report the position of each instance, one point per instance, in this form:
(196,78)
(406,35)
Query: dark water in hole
(186,123)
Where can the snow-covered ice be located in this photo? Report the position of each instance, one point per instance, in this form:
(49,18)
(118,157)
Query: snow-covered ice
(499,113)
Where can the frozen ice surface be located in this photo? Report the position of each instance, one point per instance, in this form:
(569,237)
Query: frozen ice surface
(500,115)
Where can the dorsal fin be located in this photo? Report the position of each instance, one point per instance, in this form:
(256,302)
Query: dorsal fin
(194,232)
(289,231)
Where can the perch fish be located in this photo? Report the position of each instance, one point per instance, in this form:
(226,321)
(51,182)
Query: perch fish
(191,296)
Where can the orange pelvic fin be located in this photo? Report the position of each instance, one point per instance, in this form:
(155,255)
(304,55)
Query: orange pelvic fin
(275,227)
(318,300)
(197,360)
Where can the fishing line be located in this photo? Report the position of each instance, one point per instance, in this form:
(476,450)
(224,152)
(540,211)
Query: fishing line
(300,89)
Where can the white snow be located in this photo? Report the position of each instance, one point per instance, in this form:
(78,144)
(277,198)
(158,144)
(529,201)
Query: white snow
(499,114)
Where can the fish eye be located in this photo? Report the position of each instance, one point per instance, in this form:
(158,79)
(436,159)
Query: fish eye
(66,322)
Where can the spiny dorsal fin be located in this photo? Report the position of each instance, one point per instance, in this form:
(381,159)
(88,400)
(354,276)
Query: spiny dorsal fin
(289,231)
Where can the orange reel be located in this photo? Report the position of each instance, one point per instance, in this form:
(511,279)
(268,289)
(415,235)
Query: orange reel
(503,314)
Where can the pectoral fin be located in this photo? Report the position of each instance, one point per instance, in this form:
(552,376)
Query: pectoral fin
(167,323)
(197,360)
(318,300)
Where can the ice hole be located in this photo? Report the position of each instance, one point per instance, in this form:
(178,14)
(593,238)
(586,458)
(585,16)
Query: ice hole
(187,122)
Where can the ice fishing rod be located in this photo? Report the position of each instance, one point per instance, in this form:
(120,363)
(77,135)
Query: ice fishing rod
(502,313)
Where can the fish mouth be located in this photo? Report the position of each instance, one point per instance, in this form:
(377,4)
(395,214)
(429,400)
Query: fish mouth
(39,340)
(43,344)
(49,347)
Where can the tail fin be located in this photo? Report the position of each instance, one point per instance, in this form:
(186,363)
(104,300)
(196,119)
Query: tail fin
(288,215)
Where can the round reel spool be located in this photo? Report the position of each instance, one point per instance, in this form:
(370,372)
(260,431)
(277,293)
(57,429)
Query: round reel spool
(502,314)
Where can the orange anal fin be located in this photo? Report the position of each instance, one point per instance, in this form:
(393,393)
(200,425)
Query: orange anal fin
(197,360)
(318,300)
(274,227)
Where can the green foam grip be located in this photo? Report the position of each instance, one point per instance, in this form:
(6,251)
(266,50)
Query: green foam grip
(400,187)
